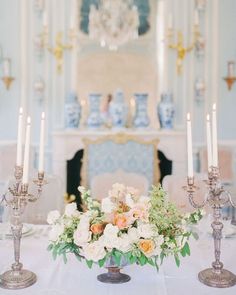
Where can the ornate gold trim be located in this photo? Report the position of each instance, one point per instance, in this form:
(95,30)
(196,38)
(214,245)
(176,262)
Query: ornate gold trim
(119,138)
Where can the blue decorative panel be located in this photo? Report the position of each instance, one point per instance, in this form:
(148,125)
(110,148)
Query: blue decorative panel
(131,157)
(143,9)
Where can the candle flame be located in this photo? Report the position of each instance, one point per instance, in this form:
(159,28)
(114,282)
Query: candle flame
(208,117)
(28,120)
(21,111)
(82,102)
(43,115)
(214,107)
(188,116)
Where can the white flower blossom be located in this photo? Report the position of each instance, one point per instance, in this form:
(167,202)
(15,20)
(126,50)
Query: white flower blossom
(53,216)
(94,251)
(133,234)
(145,230)
(107,205)
(124,243)
(55,232)
(71,210)
(82,237)
(81,189)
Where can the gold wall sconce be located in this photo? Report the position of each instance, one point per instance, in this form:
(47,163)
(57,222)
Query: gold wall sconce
(179,47)
(230,78)
(7,78)
(59,47)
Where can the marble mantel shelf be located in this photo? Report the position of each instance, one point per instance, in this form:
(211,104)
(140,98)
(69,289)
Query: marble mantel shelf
(67,142)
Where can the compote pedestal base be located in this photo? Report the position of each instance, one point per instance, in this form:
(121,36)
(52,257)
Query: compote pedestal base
(113,276)
(14,279)
(222,279)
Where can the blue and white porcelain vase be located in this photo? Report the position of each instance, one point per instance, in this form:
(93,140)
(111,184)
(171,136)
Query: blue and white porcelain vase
(141,119)
(118,110)
(72,111)
(94,118)
(166,111)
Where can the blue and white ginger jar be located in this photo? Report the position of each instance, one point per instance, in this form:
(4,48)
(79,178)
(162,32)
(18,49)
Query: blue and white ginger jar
(166,111)
(72,111)
(94,118)
(118,110)
(141,119)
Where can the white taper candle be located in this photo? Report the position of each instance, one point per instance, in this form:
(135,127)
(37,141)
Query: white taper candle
(19,139)
(41,144)
(214,137)
(209,142)
(25,177)
(189,146)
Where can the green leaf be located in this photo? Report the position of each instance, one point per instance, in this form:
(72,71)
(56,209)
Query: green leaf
(187,249)
(162,256)
(64,258)
(54,253)
(151,262)
(195,235)
(50,247)
(177,261)
(157,267)
(183,252)
(132,259)
(89,263)
(117,257)
(143,260)
(102,261)
(78,257)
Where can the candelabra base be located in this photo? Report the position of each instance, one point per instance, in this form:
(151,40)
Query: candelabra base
(211,278)
(17,279)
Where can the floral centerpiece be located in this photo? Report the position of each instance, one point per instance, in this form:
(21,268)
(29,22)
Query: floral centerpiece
(125,228)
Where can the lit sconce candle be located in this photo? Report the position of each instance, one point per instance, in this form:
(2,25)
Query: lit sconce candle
(19,139)
(231,69)
(6,67)
(41,144)
(132,106)
(170,22)
(209,142)
(25,177)
(214,138)
(196,18)
(189,146)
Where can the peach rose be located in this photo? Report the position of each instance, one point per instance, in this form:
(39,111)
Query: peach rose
(146,246)
(97,228)
(121,220)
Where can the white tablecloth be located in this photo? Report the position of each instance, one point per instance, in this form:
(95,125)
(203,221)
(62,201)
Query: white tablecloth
(74,278)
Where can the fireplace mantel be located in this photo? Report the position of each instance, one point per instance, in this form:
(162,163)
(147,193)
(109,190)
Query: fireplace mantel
(67,142)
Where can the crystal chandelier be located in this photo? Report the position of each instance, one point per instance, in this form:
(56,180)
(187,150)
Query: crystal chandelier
(113,23)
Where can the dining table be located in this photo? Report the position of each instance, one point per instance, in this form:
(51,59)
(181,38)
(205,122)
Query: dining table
(54,277)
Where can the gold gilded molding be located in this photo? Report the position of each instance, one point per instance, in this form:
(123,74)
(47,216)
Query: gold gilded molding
(119,138)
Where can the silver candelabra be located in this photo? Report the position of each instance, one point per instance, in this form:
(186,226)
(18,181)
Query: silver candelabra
(217,197)
(16,198)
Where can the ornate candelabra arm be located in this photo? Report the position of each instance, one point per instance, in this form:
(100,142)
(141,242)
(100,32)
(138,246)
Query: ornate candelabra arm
(191,190)
(231,201)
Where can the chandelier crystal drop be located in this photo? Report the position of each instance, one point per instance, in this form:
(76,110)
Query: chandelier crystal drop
(113,23)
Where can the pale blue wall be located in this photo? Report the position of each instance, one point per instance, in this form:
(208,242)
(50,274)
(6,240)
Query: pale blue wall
(9,40)
(9,100)
(227,51)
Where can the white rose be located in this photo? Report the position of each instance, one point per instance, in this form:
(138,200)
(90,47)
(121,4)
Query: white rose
(71,210)
(94,251)
(133,234)
(159,240)
(82,237)
(55,232)
(145,230)
(53,216)
(107,205)
(84,222)
(110,238)
(124,244)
